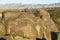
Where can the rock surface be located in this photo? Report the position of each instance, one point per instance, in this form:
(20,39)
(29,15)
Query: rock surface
(27,24)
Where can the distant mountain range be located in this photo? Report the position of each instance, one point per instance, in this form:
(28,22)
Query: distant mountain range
(22,5)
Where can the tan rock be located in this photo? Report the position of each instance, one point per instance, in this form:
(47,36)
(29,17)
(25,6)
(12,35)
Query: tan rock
(2,29)
(49,25)
(23,28)
(0,17)
(58,35)
(27,26)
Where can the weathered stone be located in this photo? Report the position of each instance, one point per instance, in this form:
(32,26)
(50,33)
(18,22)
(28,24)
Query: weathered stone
(39,28)
(0,17)
(49,25)
(58,35)
(2,29)
(11,15)
(21,38)
(10,37)
(27,26)
(23,28)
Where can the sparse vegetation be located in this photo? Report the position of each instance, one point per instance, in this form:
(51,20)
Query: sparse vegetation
(55,15)
(36,12)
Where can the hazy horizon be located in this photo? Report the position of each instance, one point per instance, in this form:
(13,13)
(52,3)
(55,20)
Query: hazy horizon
(29,1)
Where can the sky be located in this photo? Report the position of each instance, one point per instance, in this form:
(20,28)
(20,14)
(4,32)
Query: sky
(30,1)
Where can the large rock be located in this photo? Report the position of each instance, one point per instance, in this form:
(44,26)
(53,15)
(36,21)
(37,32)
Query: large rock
(28,25)
(23,26)
(48,24)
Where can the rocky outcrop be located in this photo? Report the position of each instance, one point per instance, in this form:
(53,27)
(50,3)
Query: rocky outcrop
(48,24)
(27,24)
